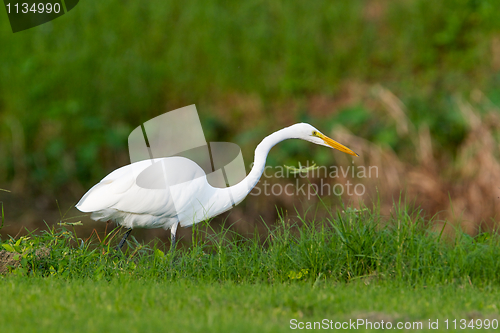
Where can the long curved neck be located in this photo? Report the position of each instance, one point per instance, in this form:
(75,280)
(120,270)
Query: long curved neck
(241,190)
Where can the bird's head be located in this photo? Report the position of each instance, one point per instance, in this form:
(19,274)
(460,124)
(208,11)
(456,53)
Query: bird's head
(310,133)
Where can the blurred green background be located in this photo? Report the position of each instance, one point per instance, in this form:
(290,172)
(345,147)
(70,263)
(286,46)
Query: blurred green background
(412,85)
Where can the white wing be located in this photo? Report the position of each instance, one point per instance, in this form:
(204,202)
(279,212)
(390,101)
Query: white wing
(143,188)
(108,191)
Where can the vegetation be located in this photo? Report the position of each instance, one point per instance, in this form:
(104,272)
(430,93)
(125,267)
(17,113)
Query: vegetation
(352,244)
(352,264)
(73,89)
(128,304)
(412,86)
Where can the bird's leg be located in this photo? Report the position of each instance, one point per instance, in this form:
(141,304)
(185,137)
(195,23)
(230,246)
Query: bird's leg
(120,245)
(173,231)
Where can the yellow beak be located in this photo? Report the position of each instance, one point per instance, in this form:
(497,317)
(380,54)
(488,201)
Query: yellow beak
(334,144)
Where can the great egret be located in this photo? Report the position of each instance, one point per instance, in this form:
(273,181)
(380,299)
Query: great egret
(119,198)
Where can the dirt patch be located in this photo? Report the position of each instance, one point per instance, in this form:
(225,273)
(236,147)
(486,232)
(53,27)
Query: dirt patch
(13,259)
(7,260)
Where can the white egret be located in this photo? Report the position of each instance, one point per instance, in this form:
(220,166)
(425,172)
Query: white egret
(119,198)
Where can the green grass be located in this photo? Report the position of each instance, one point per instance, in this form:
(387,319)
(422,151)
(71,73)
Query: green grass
(351,264)
(145,305)
(74,88)
(343,246)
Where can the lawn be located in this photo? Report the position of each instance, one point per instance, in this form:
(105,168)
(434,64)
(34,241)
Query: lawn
(350,266)
(127,304)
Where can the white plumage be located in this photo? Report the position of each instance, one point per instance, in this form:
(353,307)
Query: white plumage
(165,192)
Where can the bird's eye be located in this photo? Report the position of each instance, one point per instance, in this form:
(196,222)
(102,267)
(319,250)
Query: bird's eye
(315,133)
